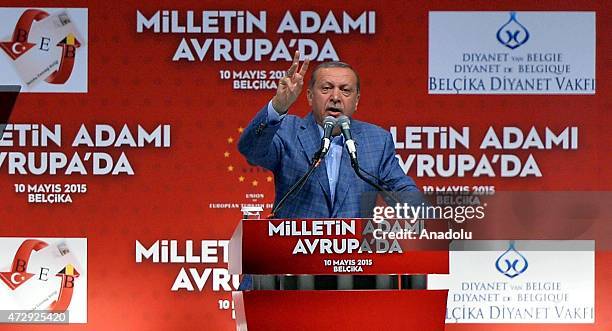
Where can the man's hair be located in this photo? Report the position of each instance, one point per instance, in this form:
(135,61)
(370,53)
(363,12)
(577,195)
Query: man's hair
(332,64)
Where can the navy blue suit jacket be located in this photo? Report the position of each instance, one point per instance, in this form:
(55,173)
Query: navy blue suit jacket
(287,148)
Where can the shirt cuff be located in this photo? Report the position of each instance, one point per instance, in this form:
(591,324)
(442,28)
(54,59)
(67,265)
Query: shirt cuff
(273,116)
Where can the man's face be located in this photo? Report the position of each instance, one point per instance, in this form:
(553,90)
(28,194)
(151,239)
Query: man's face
(334,93)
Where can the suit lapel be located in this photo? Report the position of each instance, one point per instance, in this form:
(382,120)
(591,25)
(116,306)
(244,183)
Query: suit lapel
(310,140)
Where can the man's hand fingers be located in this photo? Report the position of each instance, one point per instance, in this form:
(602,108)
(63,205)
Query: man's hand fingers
(304,67)
(290,86)
(296,58)
(298,79)
(294,65)
(291,70)
(282,81)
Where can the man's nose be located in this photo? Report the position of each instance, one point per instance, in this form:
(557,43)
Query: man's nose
(335,96)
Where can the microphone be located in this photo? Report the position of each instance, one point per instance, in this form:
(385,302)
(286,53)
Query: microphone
(345,126)
(328,126)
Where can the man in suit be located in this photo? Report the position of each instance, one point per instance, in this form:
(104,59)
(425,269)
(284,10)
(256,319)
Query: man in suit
(285,144)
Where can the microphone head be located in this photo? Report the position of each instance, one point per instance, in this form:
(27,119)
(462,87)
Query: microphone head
(330,120)
(344,121)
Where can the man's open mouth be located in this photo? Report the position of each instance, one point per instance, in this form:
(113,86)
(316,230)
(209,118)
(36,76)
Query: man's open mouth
(334,111)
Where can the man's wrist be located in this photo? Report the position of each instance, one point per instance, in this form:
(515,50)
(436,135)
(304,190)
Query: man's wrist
(277,107)
(274,118)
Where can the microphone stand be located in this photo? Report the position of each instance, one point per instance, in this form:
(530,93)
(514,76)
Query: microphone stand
(328,126)
(379,188)
(386,193)
(316,160)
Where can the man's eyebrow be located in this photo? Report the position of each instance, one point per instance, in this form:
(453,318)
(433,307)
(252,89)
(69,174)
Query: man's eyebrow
(331,83)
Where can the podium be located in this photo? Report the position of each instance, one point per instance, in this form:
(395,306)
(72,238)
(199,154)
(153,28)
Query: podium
(335,247)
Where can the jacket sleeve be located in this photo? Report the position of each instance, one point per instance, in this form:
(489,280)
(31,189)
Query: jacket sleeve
(259,142)
(390,171)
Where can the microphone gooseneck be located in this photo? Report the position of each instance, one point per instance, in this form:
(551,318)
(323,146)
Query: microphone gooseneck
(329,124)
(345,126)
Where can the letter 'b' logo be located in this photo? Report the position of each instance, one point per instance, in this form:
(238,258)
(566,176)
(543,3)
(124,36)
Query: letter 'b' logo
(19,44)
(18,273)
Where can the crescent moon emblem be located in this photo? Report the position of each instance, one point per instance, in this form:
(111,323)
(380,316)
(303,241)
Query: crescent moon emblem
(13,280)
(14,48)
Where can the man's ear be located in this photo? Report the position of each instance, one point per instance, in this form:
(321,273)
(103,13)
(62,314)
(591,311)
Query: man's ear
(357,102)
(309,96)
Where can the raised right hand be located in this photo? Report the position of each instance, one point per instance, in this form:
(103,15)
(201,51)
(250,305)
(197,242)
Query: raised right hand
(290,86)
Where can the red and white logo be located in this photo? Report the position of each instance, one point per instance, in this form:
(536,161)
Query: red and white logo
(44,274)
(19,43)
(18,273)
(45,49)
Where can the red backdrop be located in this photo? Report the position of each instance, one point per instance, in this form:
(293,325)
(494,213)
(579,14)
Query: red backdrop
(133,80)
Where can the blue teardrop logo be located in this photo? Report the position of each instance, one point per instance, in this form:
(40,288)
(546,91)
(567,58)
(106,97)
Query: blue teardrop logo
(511,263)
(512,34)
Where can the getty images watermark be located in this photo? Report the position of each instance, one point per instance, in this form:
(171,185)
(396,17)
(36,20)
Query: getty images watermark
(456,209)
